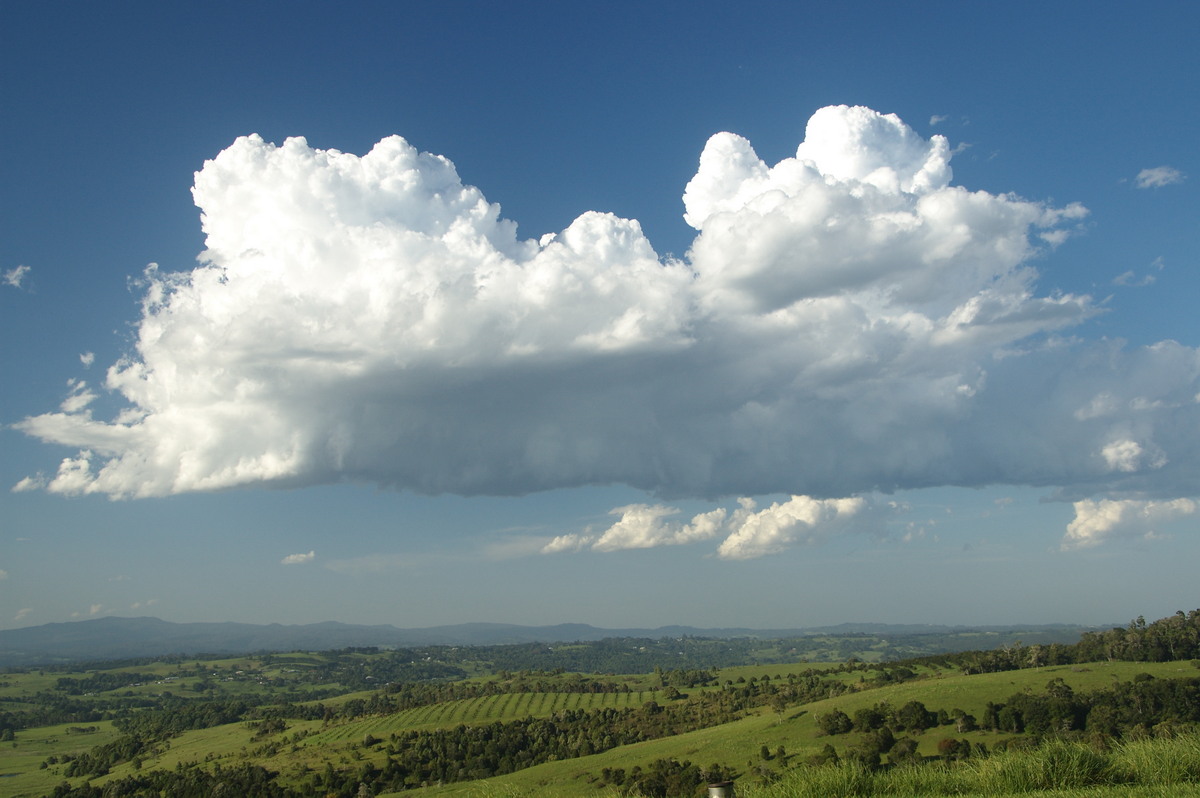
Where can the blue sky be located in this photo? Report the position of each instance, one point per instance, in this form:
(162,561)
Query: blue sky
(936,365)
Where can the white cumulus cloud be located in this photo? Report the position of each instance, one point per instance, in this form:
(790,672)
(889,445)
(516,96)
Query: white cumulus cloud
(800,520)
(845,321)
(1129,456)
(643,526)
(1159,176)
(1097,521)
(297,559)
(572,541)
(748,531)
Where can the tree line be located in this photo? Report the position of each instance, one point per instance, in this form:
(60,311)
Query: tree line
(1135,709)
(1176,637)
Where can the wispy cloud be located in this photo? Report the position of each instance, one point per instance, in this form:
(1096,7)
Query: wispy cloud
(23,613)
(25,484)
(1159,176)
(79,398)
(298,559)
(1133,280)
(15,276)
(91,612)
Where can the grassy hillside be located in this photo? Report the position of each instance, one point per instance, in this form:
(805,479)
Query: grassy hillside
(739,744)
(322,723)
(305,746)
(21,759)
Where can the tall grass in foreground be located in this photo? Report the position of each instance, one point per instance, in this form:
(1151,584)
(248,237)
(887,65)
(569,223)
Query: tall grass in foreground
(1141,768)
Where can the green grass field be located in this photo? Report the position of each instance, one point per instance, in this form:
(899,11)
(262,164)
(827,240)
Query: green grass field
(1148,767)
(738,744)
(21,759)
(1145,769)
(306,746)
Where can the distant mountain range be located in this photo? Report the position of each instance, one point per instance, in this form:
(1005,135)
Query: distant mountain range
(127,638)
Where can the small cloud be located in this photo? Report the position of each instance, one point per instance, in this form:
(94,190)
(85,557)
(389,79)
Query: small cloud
(16,276)
(92,611)
(297,559)
(29,483)
(1132,280)
(798,521)
(749,532)
(23,613)
(1055,237)
(1159,176)
(1098,521)
(642,526)
(937,119)
(568,543)
(138,605)
(1129,456)
(81,396)
(87,359)
(3,574)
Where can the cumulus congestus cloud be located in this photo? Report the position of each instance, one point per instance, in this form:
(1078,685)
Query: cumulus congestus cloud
(845,321)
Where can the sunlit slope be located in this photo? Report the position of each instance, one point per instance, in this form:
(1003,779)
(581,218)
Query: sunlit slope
(739,744)
(304,746)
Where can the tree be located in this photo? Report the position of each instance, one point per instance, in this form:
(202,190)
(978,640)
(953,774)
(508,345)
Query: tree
(964,722)
(869,718)
(950,748)
(904,751)
(915,717)
(835,722)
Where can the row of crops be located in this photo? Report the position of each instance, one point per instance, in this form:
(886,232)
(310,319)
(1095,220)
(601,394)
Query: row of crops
(483,709)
